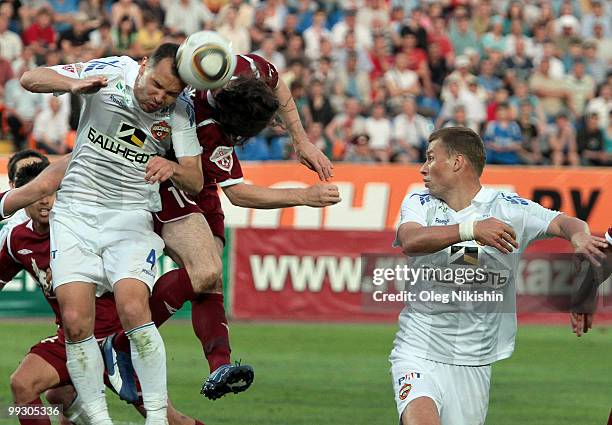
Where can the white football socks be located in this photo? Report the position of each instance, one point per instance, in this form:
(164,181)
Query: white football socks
(85,365)
(75,413)
(149,360)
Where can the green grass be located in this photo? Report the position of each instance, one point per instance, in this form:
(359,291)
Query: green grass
(338,374)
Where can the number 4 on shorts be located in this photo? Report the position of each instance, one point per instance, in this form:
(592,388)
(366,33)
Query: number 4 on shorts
(152,258)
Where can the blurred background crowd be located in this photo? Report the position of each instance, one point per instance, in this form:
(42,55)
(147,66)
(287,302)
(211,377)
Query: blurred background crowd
(371,78)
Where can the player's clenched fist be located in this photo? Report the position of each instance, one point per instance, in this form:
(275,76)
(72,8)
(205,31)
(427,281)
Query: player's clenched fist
(88,85)
(159,170)
(322,195)
(495,233)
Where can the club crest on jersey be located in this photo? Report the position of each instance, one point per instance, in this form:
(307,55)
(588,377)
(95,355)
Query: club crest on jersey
(404,391)
(131,135)
(222,156)
(161,130)
(74,68)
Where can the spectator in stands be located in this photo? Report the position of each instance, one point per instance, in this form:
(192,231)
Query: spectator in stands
(581,88)
(568,29)
(414,25)
(597,16)
(101,40)
(522,94)
(317,138)
(363,36)
(503,138)
(516,35)
(462,35)
(76,35)
(41,35)
(124,37)
(50,129)
(345,126)
(380,58)
(359,150)
(319,105)
(314,34)
(354,82)
(462,74)
(481,20)
(417,58)
(608,134)
(552,92)
(21,108)
(410,133)
(401,81)
(128,9)
(487,80)
(95,12)
(519,66)
(294,50)
(148,37)
(563,148)
(26,60)
(602,104)
(572,55)
(440,37)
(372,10)
(10,43)
(455,96)
(188,16)
(476,101)
(6,73)
(379,129)
(245,13)
(288,31)
(438,70)
(595,66)
(604,44)
(530,151)
(514,13)
(494,39)
(237,35)
(557,67)
(460,119)
(590,141)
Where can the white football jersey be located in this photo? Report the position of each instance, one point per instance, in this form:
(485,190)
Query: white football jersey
(116,139)
(8,224)
(472,333)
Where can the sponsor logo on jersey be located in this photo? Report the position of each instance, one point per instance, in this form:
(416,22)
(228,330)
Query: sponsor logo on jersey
(161,130)
(131,135)
(170,309)
(222,156)
(441,221)
(409,376)
(464,255)
(404,391)
(118,101)
(24,252)
(111,145)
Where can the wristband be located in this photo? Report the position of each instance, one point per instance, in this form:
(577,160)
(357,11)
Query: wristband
(466,230)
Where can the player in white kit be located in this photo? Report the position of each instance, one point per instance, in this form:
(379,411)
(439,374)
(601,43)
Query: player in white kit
(102,236)
(442,355)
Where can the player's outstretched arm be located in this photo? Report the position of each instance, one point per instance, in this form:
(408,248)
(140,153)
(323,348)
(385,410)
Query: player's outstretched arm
(45,184)
(416,239)
(307,153)
(186,174)
(46,80)
(251,196)
(578,233)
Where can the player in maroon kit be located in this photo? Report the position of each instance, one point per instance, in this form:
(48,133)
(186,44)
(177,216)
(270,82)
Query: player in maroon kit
(44,367)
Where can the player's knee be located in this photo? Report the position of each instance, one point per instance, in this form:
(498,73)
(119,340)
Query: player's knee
(22,388)
(76,325)
(206,277)
(133,313)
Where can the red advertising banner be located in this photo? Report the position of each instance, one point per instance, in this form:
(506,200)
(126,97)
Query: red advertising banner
(312,275)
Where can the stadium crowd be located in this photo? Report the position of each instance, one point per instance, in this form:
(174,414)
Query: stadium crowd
(371,78)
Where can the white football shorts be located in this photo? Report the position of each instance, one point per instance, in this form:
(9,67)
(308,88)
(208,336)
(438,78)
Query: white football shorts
(103,246)
(461,393)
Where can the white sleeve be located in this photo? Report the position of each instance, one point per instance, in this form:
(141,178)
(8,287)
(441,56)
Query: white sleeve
(184,136)
(413,210)
(537,218)
(3,197)
(103,66)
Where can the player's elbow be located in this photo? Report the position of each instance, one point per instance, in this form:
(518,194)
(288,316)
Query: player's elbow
(27,80)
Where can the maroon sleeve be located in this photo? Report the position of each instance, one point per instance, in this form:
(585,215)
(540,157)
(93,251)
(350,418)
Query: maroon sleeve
(258,66)
(8,266)
(219,161)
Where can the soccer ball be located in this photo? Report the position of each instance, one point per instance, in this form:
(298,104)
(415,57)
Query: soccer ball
(205,60)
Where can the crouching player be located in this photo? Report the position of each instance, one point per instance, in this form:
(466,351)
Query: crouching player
(44,367)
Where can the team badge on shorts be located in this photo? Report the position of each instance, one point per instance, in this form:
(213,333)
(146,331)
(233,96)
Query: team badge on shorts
(161,130)
(222,156)
(404,391)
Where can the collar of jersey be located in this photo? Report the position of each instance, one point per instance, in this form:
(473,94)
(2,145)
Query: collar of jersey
(130,76)
(484,195)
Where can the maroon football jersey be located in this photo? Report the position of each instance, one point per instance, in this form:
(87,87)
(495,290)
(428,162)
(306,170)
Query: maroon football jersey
(28,250)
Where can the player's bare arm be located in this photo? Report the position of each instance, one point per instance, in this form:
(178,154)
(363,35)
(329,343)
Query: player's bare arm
(416,239)
(578,233)
(186,174)
(251,196)
(307,153)
(43,185)
(45,80)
